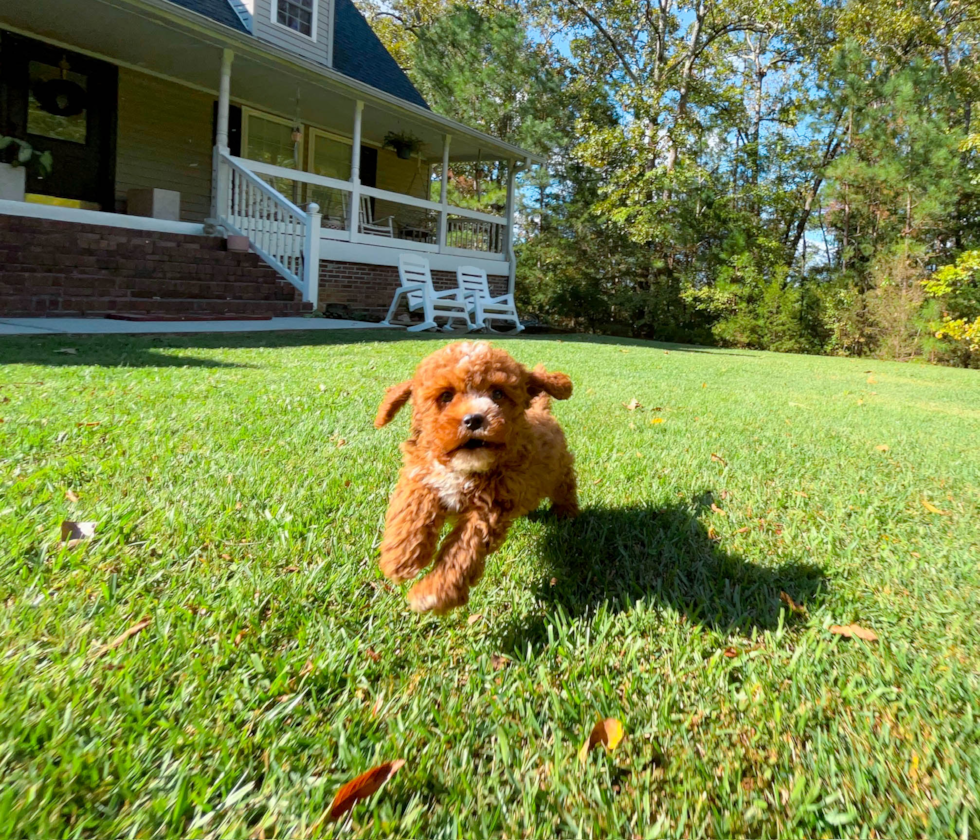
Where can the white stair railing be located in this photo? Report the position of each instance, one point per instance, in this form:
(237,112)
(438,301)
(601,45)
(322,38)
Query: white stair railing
(285,236)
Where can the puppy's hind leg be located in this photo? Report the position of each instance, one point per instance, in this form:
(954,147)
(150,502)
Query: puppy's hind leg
(411,531)
(564,499)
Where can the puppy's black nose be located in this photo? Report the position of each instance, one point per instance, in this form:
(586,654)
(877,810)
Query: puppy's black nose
(473,421)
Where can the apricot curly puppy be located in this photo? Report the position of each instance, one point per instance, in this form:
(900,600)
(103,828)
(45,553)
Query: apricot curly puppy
(483,450)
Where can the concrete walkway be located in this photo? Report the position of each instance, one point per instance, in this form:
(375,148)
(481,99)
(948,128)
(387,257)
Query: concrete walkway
(106,326)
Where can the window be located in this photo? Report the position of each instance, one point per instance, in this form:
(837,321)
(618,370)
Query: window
(57,104)
(270,140)
(298,15)
(330,156)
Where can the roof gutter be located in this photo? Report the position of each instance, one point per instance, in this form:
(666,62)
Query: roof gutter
(225,36)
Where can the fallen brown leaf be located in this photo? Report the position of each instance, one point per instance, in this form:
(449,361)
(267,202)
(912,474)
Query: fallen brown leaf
(240,635)
(473,619)
(929,506)
(373,655)
(716,509)
(872,380)
(633,404)
(138,627)
(291,569)
(341,442)
(793,606)
(657,421)
(363,786)
(719,459)
(307,669)
(91,425)
(730,653)
(608,732)
(744,530)
(882,447)
(499,662)
(854,630)
(71,496)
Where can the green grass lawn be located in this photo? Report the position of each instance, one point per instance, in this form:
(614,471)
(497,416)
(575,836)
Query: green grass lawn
(240,489)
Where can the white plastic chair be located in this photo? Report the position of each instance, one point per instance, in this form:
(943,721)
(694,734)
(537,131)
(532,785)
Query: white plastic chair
(475,289)
(417,291)
(375,227)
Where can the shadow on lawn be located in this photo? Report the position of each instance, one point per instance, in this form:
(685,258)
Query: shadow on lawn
(145,350)
(615,557)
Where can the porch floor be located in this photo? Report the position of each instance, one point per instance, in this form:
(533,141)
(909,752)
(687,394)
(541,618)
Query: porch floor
(105,326)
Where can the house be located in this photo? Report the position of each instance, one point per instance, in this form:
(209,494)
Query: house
(174,124)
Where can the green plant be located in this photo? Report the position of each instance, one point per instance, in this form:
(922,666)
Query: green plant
(405,145)
(18,152)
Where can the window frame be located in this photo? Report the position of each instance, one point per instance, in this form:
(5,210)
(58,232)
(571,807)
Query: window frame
(274,17)
(327,135)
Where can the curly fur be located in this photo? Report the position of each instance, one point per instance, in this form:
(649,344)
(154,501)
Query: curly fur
(480,479)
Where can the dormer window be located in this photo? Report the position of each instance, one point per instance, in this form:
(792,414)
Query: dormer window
(298,15)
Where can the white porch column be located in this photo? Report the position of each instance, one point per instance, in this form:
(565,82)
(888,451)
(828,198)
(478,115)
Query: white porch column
(311,256)
(355,173)
(509,229)
(220,174)
(224,99)
(444,194)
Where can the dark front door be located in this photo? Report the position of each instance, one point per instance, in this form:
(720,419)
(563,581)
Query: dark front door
(64,103)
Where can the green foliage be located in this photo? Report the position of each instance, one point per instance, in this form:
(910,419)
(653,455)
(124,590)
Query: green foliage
(18,152)
(770,175)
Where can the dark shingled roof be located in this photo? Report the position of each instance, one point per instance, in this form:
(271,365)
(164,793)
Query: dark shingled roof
(358,53)
(219,10)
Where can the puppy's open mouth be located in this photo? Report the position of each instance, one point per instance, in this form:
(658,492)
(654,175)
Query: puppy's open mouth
(477,443)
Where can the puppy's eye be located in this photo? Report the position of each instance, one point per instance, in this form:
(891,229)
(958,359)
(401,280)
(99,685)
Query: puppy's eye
(497,395)
(446,397)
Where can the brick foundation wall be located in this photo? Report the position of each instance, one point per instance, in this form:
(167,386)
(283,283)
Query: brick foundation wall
(52,268)
(369,288)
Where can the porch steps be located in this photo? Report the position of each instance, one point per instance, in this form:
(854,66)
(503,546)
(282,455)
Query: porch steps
(54,268)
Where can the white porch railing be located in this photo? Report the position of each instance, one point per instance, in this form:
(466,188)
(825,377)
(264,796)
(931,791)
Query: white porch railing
(420,224)
(285,236)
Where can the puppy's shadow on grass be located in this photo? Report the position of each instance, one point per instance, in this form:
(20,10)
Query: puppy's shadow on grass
(613,558)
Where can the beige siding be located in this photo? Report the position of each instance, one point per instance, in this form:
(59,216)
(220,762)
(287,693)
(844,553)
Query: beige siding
(265,29)
(408,177)
(164,141)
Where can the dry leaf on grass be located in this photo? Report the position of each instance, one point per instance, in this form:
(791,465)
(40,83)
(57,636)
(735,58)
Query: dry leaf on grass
(373,655)
(71,496)
(730,653)
(307,669)
(656,421)
(793,606)
(608,732)
(854,631)
(718,459)
(239,636)
(362,787)
(633,404)
(291,570)
(473,619)
(929,506)
(67,351)
(138,627)
(499,662)
(716,509)
(75,533)
(882,447)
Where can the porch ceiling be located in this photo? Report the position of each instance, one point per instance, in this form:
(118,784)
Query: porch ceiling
(167,40)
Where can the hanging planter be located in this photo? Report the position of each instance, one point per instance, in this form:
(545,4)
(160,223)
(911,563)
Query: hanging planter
(404,145)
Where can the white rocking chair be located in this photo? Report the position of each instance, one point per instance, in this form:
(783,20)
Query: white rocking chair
(475,289)
(375,227)
(417,291)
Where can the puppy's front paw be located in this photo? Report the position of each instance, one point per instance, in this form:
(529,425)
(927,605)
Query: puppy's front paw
(426,596)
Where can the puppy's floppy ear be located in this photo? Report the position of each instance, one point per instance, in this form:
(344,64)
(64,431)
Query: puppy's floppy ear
(556,385)
(395,397)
